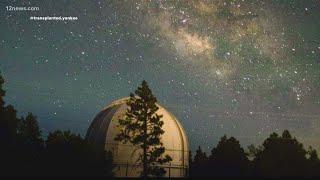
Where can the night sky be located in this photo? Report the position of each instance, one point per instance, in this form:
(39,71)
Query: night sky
(244,68)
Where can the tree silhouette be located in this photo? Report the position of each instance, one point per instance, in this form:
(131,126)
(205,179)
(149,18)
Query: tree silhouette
(200,156)
(9,121)
(8,129)
(66,147)
(23,151)
(199,164)
(281,156)
(78,157)
(8,116)
(142,127)
(29,130)
(312,153)
(314,162)
(228,158)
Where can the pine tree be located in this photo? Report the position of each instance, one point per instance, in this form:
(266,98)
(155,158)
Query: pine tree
(29,130)
(228,158)
(142,127)
(200,156)
(281,156)
(8,116)
(199,165)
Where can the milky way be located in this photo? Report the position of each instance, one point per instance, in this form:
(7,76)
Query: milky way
(242,68)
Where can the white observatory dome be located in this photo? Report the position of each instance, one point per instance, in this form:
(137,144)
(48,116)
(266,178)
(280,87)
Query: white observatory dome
(103,130)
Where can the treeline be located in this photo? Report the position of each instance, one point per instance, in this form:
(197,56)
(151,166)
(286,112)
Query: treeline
(24,151)
(277,156)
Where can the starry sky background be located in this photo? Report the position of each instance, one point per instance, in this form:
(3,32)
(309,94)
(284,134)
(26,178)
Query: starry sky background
(244,68)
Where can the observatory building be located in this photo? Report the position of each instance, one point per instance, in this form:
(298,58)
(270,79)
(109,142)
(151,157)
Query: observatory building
(104,129)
